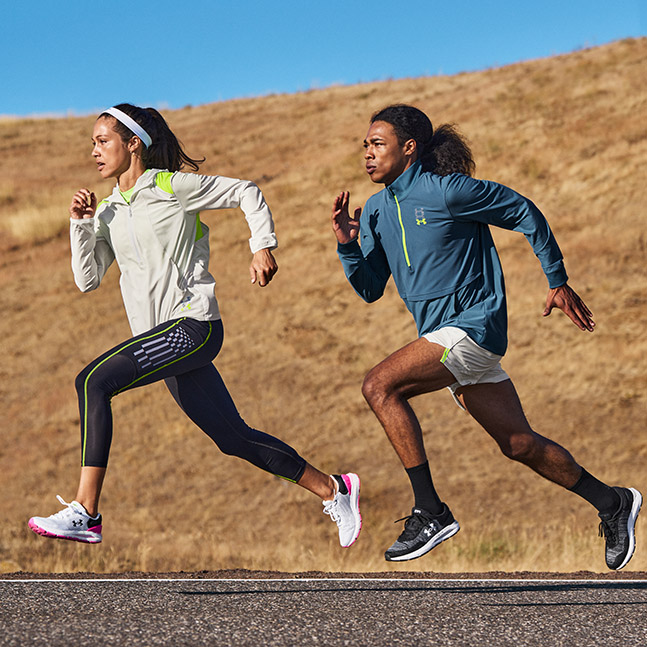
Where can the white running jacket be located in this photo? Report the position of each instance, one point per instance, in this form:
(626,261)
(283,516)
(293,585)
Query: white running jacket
(160,245)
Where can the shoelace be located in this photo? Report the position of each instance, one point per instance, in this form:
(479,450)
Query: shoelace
(330,508)
(608,528)
(69,509)
(607,531)
(412,526)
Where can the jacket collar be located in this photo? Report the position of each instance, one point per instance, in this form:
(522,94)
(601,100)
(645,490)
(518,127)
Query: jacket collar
(405,182)
(144,181)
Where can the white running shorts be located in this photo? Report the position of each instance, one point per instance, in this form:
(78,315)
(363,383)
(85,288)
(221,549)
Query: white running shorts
(466,360)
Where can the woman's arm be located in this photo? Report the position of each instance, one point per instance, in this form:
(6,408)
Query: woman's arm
(199,192)
(91,253)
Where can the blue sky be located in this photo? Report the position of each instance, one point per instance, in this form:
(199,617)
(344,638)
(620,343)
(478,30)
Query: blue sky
(79,56)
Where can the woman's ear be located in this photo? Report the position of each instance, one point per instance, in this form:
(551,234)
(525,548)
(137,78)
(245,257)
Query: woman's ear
(135,145)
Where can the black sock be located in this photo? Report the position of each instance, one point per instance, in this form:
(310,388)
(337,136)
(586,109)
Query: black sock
(423,489)
(599,495)
(340,481)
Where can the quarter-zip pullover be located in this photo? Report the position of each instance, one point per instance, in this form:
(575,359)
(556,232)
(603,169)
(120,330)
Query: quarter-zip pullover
(160,244)
(432,234)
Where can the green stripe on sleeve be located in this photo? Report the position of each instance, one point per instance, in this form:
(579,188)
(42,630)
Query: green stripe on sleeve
(163,181)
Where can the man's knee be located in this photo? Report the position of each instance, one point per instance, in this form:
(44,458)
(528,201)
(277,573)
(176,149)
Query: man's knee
(373,388)
(520,446)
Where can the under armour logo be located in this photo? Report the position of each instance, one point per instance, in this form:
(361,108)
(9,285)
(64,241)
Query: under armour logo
(428,532)
(421,221)
(77,523)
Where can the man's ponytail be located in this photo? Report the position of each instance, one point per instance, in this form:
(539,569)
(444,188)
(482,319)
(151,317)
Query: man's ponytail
(447,152)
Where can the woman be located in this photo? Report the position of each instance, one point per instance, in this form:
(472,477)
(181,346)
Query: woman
(429,229)
(151,226)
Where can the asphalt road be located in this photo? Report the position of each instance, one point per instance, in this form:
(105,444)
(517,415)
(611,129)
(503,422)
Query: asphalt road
(301,610)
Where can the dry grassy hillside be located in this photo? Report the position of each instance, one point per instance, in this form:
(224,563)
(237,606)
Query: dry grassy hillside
(569,132)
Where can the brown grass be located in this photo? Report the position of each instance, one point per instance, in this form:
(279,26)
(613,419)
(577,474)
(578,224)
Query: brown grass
(569,132)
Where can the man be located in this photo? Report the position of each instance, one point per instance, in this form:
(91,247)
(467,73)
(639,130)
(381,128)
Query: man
(429,228)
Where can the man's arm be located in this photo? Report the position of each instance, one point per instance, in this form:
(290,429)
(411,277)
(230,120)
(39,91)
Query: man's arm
(498,205)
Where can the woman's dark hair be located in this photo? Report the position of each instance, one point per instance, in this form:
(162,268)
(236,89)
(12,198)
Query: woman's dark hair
(442,151)
(165,151)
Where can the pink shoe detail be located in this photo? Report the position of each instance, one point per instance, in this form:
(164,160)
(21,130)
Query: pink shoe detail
(347,481)
(349,487)
(84,540)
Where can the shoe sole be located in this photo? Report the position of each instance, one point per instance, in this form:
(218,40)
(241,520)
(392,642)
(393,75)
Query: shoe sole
(88,538)
(353,485)
(444,534)
(631,523)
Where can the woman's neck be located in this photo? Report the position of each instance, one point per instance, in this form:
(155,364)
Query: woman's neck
(128,178)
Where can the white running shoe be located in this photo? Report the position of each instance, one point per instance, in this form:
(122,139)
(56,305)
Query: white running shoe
(344,508)
(73,522)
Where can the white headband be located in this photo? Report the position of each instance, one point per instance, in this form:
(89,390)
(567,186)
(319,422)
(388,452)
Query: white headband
(131,124)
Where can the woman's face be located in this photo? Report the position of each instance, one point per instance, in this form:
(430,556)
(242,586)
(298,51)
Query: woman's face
(386,159)
(110,153)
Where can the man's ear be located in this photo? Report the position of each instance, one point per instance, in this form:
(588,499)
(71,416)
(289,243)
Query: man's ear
(411,148)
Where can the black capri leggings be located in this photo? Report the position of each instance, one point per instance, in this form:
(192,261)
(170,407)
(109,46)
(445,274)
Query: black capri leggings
(180,352)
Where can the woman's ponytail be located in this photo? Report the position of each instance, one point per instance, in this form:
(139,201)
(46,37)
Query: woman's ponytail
(442,151)
(165,151)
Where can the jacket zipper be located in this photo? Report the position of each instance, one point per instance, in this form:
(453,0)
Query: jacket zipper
(133,239)
(404,234)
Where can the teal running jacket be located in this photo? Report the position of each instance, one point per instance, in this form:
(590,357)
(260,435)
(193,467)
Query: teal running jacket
(432,234)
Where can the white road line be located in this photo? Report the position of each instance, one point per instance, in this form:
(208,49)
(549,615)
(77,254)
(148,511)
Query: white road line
(311,580)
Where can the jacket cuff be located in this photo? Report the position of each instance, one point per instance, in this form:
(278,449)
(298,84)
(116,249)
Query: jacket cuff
(349,249)
(268,241)
(557,276)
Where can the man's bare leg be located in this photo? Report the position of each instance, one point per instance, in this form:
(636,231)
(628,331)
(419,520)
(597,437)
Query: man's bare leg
(496,407)
(413,370)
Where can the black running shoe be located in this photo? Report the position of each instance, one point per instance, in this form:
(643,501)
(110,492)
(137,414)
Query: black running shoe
(422,531)
(618,528)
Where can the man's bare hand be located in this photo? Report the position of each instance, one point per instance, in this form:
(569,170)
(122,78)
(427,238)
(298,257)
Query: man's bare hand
(567,300)
(346,228)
